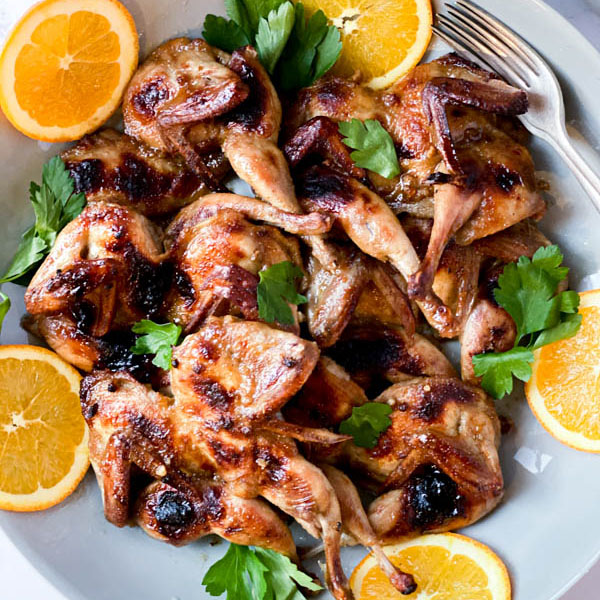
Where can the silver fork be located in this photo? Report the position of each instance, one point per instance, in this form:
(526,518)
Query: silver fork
(475,33)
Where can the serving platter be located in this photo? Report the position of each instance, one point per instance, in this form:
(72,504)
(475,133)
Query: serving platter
(547,528)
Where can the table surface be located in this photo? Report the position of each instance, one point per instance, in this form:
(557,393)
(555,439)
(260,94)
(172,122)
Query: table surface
(20,581)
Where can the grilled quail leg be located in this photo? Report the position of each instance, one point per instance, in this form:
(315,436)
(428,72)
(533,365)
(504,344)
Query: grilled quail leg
(357,525)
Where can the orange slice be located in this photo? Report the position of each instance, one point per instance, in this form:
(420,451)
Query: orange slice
(43,436)
(445,566)
(382,39)
(564,389)
(65,66)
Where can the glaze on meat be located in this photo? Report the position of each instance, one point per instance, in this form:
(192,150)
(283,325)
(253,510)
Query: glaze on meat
(245,425)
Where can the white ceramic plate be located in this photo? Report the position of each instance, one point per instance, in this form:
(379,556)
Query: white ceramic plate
(547,528)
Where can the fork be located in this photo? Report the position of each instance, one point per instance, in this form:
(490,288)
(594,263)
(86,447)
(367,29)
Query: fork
(474,32)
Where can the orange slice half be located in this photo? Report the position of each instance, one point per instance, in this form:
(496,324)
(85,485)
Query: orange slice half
(43,436)
(382,39)
(445,566)
(564,389)
(65,66)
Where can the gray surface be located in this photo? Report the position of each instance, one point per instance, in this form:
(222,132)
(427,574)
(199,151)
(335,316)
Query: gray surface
(585,15)
(18,580)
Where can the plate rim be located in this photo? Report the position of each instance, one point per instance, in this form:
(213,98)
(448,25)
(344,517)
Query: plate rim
(63,586)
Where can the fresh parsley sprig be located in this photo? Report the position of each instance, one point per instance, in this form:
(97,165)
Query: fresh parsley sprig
(312,49)
(273,34)
(295,51)
(246,573)
(224,34)
(55,204)
(497,369)
(157,339)
(367,423)
(528,291)
(277,288)
(373,146)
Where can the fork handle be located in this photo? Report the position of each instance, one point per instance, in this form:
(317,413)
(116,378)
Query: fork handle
(588,179)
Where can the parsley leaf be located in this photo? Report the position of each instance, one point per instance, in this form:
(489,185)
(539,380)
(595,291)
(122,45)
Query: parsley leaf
(55,204)
(313,48)
(277,287)
(260,9)
(282,575)
(47,213)
(71,209)
(373,146)
(549,259)
(565,329)
(30,252)
(293,49)
(58,179)
(158,339)
(4,307)
(250,19)
(256,574)
(273,34)
(237,12)
(497,369)
(224,34)
(239,574)
(527,290)
(328,51)
(367,423)
(569,302)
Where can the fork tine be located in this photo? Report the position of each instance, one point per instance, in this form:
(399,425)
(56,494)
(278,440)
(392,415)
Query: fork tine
(484,35)
(517,43)
(480,47)
(483,54)
(460,47)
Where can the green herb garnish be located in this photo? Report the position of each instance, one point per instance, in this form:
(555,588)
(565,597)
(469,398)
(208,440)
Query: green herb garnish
(528,291)
(224,34)
(373,146)
(497,369)
(273,34)
(367,423)
(4,307)
(277,287)
(55,204)
(296,51)
(312,49)
(158,339)
(246,573)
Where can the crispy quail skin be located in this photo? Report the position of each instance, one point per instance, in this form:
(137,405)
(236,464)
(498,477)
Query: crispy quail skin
(462,162)
(245,425)
(436,468)
(104,273)
(229,380)
(218,252)
(114,167)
